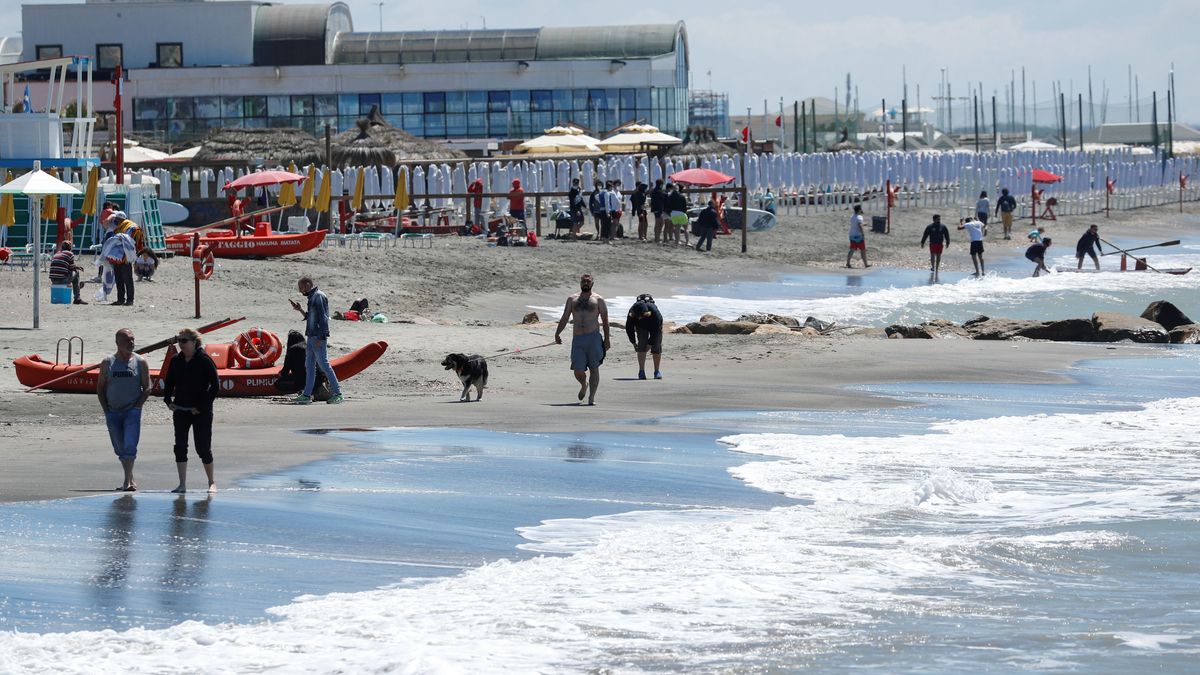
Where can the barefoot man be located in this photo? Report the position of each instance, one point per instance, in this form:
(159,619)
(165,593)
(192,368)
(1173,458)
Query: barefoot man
(587,346)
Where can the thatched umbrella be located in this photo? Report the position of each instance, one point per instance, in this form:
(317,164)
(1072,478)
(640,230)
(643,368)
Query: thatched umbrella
(374,138)
(273,145)
(699,141)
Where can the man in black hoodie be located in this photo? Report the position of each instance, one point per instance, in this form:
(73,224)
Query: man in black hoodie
(189,391)
(658,206)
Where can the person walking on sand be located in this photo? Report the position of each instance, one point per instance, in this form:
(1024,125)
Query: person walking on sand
(190,388)
(1089,245)
(858,239)
(516,200)
(1037,255)
(1005,206)
(316,331)
(938,236)
(123,387)
(475,189)
(976,230)
(707,225)
(637,204)
(590,315)
(643,325)
(658,206)
(983,208)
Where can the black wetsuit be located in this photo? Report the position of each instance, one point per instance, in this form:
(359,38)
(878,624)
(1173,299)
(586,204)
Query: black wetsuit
(1089,244)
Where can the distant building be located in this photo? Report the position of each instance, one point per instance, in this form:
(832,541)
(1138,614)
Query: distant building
(1134,133)
(195,65)
(709,109)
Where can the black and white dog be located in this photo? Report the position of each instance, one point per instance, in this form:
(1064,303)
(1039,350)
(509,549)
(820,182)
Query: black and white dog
(472,370)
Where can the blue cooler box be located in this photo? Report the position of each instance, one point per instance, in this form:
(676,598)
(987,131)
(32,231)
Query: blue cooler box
(60,294)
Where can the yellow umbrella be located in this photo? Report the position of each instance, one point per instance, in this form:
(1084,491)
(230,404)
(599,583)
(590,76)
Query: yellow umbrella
(356,201)
(50,202)
(8,214)
(306,195)
(287,191)
(89,197)
(325,194)
(402,199)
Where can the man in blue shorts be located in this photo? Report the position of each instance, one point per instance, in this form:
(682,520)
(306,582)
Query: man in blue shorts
(590,314)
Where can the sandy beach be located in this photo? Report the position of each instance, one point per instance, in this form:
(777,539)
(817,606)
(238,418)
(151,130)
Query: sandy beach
(463,296)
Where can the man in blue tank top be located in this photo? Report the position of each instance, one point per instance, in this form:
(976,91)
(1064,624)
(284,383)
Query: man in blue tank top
(123,387)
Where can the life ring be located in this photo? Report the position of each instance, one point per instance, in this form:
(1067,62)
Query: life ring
(256,348)
(203,263)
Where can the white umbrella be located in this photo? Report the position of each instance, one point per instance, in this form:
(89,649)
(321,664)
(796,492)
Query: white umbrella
(35,184)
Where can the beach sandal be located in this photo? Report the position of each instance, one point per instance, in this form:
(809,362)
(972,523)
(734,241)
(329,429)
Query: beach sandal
(132,487)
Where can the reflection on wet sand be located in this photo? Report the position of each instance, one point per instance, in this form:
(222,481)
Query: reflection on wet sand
(114,562)
(187,549)
(584,452)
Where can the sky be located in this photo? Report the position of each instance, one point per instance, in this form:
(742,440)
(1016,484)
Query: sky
(775,48)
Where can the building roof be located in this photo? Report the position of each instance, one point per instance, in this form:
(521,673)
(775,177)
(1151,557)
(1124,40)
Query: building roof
(1139,133)
(514,44)
(290,35)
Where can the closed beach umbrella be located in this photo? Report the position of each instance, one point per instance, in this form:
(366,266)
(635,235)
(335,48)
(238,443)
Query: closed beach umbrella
(360,182)
(287,191)
(8,212)
(89,196)
(402,200)
(325,194)
(306,194)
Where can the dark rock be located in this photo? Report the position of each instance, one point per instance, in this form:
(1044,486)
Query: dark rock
(1166,315)
(971,322)
(1062,330)
(818,325)
(1187,334)
(1114,327)
(1000,329)
(721,327)
(909,332)
(710,318)
(531,317)
(771,319)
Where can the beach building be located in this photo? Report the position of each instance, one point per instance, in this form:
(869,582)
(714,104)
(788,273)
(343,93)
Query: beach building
(1140,133)
(238,63)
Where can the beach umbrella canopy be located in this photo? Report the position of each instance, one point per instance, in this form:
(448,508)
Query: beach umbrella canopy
(402,199)
(34,184)
(306,195)
(261,178)
(325,194)
(1041,176)
(560,144)
(185,154)
(700,177)
(632,138)
(8,212)
(360,183)
(287,191)
(1033,145)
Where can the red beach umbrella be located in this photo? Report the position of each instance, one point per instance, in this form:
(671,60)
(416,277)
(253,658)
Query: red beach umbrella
(261,178)
(700,177)
(1040,176)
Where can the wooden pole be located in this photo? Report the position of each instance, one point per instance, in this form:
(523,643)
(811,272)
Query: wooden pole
(1062,116)
(995,129)
(537,215)
(796,126)
(975,113)
(903,132)
(813,105)
(1081,122)
(745,194)
(803,127)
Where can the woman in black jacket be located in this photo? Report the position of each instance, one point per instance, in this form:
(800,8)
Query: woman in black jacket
(190,389)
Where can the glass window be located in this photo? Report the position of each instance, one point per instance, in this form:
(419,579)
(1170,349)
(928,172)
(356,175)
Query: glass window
(392,104)
(643,98)
(326,105)
(282,122)
(613,96)
(597,100)
(208,107)
(519,100)
(435,102)
(170,54)
(346,104)
(48,52)
(456,125)
(477,124)
(366,101)
(255,106)
(302,105)
(456,102)
(628,102)
(498,101)
(255,122)
(580,99)
(214,123)
(414,103)
(395,120)
(415,124)
(181,107)
(278,106)
(150,108)
(435,125)
(177,128)
(540,99)
(562,100)
(498,123)
(343,122)
(477,102)
(231,106)
(108,56)
(542,121)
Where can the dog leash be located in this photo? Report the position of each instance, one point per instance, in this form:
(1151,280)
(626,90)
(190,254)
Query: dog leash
(520,351)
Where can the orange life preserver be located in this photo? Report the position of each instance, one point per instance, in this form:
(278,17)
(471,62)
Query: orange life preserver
(203,263)
(256,348)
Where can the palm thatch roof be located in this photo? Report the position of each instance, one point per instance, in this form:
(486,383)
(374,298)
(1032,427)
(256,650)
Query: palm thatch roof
(699,141)
(375,142)
(147,141)
(274,145)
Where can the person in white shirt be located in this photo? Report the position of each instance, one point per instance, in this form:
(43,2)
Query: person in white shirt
(976,230)
(858,239)
(613,204)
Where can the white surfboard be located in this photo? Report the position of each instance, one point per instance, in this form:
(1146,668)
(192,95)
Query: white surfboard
(171,212)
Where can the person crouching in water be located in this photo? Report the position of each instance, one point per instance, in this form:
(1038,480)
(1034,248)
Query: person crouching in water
(1037,254)
(189,391)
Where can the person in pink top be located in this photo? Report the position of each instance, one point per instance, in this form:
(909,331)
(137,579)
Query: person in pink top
(516,201)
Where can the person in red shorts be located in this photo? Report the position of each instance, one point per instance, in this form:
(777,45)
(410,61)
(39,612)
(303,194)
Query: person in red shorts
(858,238)
(938,236)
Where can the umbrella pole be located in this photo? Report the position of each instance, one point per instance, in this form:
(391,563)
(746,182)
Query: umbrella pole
(35,236)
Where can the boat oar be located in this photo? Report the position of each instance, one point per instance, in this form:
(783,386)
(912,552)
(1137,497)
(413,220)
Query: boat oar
(207,328)
(1135,258)
(1117,250)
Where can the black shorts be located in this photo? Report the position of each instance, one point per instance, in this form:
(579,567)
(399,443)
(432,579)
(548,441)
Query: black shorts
(649,340)
(977,247)
(1080,253)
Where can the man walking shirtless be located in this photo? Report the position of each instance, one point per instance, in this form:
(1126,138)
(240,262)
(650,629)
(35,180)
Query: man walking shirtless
(590,313)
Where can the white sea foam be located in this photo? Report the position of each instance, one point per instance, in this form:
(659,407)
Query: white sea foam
(684,589)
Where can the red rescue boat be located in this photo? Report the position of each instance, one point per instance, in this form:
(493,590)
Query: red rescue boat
(34,371)
(261,244)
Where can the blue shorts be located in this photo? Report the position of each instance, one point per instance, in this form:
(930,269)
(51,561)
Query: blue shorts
(124,430)
(587,351)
